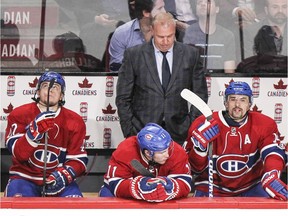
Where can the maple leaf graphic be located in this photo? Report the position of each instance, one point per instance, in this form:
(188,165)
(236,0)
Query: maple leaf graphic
(226,85)
(34,83)
(9,109)
(109,110)
(280,85)
(85,84)
(255,109)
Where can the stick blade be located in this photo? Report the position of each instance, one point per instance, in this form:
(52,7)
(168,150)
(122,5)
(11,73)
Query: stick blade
(196,101)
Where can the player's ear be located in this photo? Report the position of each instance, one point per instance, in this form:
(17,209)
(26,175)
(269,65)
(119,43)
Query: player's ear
(146,152)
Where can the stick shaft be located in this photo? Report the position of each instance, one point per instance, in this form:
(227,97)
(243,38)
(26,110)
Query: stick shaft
(140,168)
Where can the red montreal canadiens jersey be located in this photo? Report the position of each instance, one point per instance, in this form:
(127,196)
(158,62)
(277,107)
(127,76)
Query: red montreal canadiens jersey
(238,154)
(120,172)
(65,143)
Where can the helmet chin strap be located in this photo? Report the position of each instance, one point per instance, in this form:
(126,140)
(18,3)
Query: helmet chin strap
(150,159)
(44,105)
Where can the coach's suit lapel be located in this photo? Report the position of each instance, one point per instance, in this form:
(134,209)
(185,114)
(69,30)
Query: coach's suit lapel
(150,60)
(177,61)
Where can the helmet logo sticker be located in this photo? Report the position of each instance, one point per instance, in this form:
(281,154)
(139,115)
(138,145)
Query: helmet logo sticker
(148,136)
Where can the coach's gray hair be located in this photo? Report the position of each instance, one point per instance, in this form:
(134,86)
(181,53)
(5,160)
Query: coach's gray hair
(164,18)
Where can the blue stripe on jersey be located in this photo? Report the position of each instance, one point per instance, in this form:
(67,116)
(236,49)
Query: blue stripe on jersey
(63,157)
(273,149)
(184,177)
(11,141)
(113,184)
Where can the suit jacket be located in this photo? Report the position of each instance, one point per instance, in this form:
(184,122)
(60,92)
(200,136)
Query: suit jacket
(141,99)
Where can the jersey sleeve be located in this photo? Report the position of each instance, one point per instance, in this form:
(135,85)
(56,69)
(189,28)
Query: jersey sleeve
(180,170)
(76,155)
(15,138)
(271,153)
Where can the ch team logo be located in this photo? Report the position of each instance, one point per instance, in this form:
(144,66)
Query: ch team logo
(52,157)
(148,137)
(232,166)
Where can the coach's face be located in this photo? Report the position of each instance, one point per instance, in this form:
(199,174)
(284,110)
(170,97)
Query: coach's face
(164,36)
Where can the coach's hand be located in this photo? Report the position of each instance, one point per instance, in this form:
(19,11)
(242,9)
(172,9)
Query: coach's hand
(274,186)
(56,182)
(204,134)
(41,124)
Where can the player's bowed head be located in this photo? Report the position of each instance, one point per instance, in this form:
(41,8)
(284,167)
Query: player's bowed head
(153,138)
(156,146)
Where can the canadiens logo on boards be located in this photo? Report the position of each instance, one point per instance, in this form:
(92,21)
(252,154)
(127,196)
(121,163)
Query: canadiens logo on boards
(32,86)
(109,86)
(84,111)
(108,114)
(107,138)
(85,86)
(11,81)
(88,144)
(256,86)
(280,90)
(278,112)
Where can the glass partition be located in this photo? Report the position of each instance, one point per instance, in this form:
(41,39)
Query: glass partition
(74,36)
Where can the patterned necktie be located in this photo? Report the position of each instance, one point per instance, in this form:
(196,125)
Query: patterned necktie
(165,72)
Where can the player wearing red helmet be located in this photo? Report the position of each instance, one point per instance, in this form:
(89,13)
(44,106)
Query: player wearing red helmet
(158,153)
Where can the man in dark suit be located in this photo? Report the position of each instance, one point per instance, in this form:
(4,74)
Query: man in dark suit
(141,96)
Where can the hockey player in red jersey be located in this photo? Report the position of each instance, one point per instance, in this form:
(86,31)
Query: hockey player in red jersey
(158,153)
(33,126)
(246,154)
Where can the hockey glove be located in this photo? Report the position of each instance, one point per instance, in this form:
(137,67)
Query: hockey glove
(147,188)
(204,134)
(274,186)
(171,187)
(56,182)
(42,123)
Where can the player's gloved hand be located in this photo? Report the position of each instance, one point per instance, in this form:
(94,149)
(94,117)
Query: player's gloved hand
(171,186)
(204,134)
(274,186)
(147,188)
(56,182)
(42,123)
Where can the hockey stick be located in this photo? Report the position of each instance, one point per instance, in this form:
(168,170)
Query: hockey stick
(196,101)
(140,168)
(46,142)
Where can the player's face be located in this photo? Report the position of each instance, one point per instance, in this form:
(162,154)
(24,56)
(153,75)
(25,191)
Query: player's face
(164,36)
(55,94)
(237,106)
(161,157)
